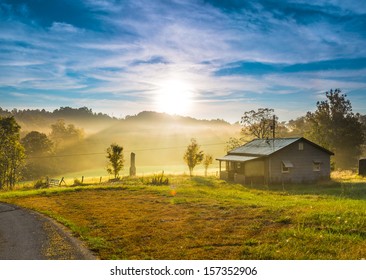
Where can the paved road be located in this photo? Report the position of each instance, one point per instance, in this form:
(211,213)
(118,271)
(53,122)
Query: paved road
(26,235)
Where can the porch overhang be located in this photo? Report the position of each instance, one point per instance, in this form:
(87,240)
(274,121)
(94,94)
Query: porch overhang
(236,158)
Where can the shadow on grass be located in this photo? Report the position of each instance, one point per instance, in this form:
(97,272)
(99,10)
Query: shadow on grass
(352,190)
(204,181)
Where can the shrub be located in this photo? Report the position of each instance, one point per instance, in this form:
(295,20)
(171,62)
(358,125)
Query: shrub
(77,182)
(114,180)
(159,180)
(41,183)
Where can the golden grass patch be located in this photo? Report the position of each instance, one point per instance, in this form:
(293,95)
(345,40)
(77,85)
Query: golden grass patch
(205,219)
(141,225)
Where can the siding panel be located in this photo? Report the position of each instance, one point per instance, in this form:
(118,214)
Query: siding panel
(302,161)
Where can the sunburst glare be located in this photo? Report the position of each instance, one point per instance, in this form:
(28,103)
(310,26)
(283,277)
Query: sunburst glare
(174,97)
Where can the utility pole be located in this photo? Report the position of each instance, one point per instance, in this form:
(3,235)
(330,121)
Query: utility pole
(272,126)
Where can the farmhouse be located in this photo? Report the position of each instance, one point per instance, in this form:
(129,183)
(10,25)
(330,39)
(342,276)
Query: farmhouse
(279,160)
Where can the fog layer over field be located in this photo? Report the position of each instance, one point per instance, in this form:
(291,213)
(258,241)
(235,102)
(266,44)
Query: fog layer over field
(158,140)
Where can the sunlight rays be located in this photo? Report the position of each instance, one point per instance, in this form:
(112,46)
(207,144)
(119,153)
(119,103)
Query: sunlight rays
(174,96)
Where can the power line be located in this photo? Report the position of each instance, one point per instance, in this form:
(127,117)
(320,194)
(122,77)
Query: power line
(66,155)
(139,150)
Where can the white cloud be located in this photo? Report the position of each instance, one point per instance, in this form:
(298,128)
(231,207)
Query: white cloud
(194,39)
(61,27)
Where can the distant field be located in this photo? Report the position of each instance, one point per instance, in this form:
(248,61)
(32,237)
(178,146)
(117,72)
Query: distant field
(93,176)
(206,218)
(178,169)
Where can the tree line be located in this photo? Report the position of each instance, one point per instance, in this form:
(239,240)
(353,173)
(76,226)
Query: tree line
(333,125)
(34,156)
(24,158)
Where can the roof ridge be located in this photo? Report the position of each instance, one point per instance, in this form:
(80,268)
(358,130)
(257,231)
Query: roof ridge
(258,147)
(276,138)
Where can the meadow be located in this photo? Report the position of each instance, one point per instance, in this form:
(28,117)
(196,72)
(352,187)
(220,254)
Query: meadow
(207,218)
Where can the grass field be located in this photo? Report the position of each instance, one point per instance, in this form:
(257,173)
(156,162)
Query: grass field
(206,218)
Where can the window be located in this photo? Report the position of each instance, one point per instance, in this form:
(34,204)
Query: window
(301,146)
(238,165)
(286,165)
(316,165)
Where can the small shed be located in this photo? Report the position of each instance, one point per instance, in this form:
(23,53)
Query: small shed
(279,160)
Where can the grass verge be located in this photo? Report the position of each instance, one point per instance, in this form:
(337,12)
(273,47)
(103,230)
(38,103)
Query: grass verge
(206,218)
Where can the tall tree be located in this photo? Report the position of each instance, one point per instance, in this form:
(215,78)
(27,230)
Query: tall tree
(11,152)
(233,143)
(63,135)
(116,160)
(193,155)
(37,149)
(37,144)
(207,161)
(258,123)
(298,127)
(334,126)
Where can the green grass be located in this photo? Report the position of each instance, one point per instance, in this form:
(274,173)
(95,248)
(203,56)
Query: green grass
(207,218)
(142,170)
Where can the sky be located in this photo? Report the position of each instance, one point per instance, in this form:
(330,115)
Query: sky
(208,59)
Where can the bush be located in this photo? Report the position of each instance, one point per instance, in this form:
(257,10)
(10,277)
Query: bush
(77,182)
(159,180)
(113,180)
(41,183)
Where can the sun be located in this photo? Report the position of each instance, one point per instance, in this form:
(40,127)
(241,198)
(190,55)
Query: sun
(174,97)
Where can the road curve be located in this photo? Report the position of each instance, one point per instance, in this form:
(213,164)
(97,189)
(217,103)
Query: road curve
(27,235)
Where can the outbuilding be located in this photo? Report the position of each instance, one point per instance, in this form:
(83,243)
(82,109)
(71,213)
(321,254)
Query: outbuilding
(279,160)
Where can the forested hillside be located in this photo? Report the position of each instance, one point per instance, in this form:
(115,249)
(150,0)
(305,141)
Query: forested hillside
(72,140)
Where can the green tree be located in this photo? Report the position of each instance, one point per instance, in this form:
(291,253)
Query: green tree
(11,152)
(37,144)
(63,135)
(258,123)
(207,161)
(37,149)
(193,155)
(116,160)
(234,143)
(298,127)
(334,126)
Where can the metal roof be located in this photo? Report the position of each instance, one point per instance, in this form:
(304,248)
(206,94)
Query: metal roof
(263,147)
(236,158)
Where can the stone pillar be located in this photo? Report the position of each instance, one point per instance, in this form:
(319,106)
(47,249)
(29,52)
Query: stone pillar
(133,167)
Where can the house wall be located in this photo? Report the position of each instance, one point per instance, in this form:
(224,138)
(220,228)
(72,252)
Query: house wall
(249,172)
(254,168)
(302,160)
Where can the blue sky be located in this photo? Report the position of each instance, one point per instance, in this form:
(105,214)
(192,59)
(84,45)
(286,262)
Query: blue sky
(207,59)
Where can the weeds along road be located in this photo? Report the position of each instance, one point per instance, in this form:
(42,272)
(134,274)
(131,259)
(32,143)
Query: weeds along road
(26,235)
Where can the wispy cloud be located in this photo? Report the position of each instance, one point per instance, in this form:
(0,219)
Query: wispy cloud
(249,51)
